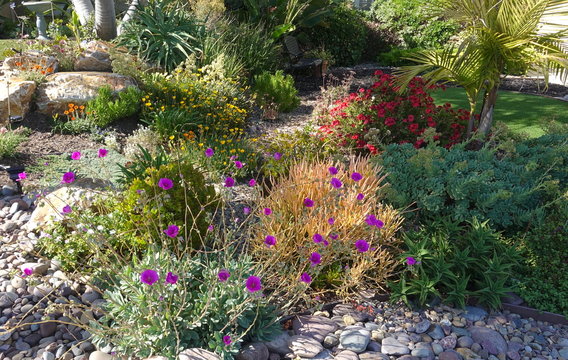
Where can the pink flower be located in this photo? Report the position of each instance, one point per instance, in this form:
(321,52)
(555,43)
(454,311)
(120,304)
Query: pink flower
(227,340)
(331,221)
(277,156)
(165,183)
(210,228)
(336,183)
(171,278)
(315,258)
(360,196)
(306,278)
(411,261)
(66,210)
(253,284)
(229,182)
(246,210)
(209,152)
(332,170)
(223,275)
(238,164)
(267,211)
(317,238)
(356,176)
(308,202)
(362,245)
(270,240)
(252,182)
(149,277)
(103,153)
(172,231)
(28,272)
(68,178)
(22,176)
(76,155)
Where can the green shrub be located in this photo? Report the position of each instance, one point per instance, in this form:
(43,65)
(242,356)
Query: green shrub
(343,33)
(412,25)
(195,312)
(543,277)
(278,89)
(163,35)
(510,190)
(9,141)
(107,108)
(455,264)
(396,57)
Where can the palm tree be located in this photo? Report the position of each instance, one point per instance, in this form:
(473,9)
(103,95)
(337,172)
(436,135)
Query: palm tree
(500,36)
(104,14)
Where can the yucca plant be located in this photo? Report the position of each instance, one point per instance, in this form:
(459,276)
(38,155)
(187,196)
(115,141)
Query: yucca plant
(501,36)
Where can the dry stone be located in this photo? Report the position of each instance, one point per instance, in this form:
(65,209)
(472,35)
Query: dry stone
(19,94)
(316,327)
(63,88)
(30,61)
(95,57)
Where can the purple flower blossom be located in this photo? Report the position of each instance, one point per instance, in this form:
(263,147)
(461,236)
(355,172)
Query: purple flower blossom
(172,231)
(362,245)
(270,240)
(252,182)
(411,261)
(229,182)
(246,210)
(66,210)
(22,176)
(149,277)
(331,221)
(306,278)
(308,202)
(68,178)
(318,238)
(332,170)
(171,278)
(277,156)
(267,211)
(356,176)
(103,153)
(325,243)
(28,272)
(210,227)
(223,275)
(209,152)
(360,196)
(227,340)
(371,220)
(315,258)
(165,183)
(253,284)
(76,155)
(336,183)
(238,164)
(334,236)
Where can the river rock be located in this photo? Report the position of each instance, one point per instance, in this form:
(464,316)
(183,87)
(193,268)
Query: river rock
(254,351)
(489,339)
(391,346)
(95,57)
(422,326)
(195,354)
(474,314)
(64,88)
(370,355)
(448,342)
(20,93)
(279,344)
(450,355)
(31,61)
(304,346)
(316,327)
(354,338)
(347,355)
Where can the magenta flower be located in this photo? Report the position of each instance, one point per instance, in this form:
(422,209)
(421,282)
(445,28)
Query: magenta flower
(308,202)
(246,210)
(149,277)
(362,245)
(336,183)
(238,164)
(334,236)
(332,170)
(22,176)
(209,152)
(305,277)
(277,156)
(252,182)
(356,176)
(172,231)
(68,178)
(227,340)
(270,240)
(331,221)
(360,196)
(371,220)
(229,182)
(165,183)
(267,211)
(210,227)
(103,153)
(315,258)
(325,243)
(253,284)
(66,210)
(28,272)
(318,238)
(411,261)
(76,155)
(171,278)
(223,275)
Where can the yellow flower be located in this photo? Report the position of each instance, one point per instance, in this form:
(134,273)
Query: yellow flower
(172,137)
(200,144)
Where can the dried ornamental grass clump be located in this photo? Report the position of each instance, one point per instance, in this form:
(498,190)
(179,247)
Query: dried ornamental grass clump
(327,221)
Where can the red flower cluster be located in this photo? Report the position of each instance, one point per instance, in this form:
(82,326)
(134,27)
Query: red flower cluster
(380,116)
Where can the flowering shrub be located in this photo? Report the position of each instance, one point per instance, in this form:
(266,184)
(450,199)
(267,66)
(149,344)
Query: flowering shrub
(326,221)
(378,116)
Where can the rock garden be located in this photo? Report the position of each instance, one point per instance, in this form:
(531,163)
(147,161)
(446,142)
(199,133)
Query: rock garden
(285,179)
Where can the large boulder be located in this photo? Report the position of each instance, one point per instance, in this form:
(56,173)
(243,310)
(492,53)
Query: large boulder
(19,95)
(29,61)
(95,57)
(64,88)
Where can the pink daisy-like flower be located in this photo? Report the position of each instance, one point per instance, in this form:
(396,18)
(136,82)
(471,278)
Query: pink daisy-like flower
(238,164)
(22,176)
(210,227)
(172,231)
(306,278)
(411,261)
(315,258)
(68,178)
(149,277)
(76,155)
(252,182)
(362,245)
(270,240)
(171,278)
(267,211)
(209,152)
(246,210)
(229,182)
(356,176)
(103,153)
(334,236)
(253,284)
(336,183)
(360,196)
(308,202)
(332,170)
(227,340)
(165,183)
(317,238)
(277,156)
(28,272)
(331,221)
(223,275)
(66,210)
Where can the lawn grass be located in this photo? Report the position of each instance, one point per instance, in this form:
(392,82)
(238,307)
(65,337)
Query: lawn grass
(521,112)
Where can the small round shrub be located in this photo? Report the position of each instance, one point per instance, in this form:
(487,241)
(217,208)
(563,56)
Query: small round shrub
(277,88)
(378,116)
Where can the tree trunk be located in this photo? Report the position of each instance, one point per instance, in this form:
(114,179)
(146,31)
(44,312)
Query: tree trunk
(487,110)
(84,9)
(130,12)
(105,19)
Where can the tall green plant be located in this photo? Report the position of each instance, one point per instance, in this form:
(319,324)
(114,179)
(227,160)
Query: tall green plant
(502,36)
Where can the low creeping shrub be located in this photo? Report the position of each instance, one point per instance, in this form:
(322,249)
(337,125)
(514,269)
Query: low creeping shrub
(276,89)
(9,141)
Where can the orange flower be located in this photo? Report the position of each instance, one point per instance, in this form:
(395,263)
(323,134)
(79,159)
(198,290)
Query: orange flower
(66,112)
(72,117)
(82,107)
(49,69)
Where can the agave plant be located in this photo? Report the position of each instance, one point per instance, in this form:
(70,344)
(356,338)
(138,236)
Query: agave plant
(500,36)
